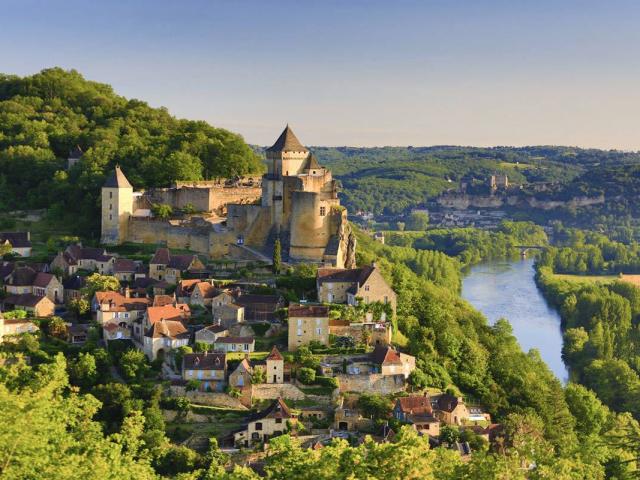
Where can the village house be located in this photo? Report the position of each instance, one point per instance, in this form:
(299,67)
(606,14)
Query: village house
(153,315)
(203,294)
(77,257)
(24,280)
(113,307)
(210,369)
(211,333)
(234,344)
(170,267)
(184,289)
(450,409)
(15,326)
(417,410)
(30,303)
(163,337)
(227,314)
(347,416)
(73,286)
(391,362)
(349,286)
(269,423)
(77,333)
(241,376)
(308,323)
(273,366)
(20,242)
(163,300)
(125,270)
(259,308)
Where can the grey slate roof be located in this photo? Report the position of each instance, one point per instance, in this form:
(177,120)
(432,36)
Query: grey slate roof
(116,179)
(287,142)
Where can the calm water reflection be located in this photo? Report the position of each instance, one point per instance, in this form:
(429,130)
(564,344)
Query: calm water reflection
(508,290)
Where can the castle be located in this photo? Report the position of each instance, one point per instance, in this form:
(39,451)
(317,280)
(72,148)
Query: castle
(296,202)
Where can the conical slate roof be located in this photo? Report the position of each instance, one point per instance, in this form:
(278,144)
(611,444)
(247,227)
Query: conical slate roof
(117,179)
(287,142)
(312,163)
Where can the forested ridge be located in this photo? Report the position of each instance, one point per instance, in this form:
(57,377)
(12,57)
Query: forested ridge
(44,116)
(392,179)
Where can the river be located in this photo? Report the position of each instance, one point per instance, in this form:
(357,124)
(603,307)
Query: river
(507,289)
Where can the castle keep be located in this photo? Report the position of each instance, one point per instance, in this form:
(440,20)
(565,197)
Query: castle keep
(296,201)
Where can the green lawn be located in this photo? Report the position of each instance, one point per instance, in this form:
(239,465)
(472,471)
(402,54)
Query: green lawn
(586,278)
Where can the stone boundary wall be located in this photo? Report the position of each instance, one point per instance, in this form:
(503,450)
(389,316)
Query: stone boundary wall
(271,391)
(212,399)
(372,383)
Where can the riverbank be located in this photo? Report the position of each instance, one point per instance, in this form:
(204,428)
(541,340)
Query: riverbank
(507,289)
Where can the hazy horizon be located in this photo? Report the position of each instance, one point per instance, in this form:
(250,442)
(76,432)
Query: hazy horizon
(493,73)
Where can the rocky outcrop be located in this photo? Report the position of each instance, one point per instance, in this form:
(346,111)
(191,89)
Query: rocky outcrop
(462,201)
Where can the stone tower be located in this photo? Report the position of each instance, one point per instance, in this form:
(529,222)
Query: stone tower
(117,207)
(286,158)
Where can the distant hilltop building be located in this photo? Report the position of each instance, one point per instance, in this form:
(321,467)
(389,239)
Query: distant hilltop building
(296,201)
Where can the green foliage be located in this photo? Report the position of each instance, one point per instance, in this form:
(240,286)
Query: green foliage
(45,115)
(97,282)
(374,406)
(162,210)
(133,365)
(277,257)
(417,221)
(306,375)
(48,432)
(258,376)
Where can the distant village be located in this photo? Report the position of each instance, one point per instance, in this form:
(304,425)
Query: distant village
(224,328)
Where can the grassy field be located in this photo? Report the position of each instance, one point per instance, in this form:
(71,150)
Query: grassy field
(586,278)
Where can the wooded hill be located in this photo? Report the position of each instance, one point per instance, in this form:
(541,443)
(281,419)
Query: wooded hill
(44,116)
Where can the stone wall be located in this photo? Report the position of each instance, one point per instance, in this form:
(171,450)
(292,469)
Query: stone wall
(272,391)
(373,383)
(206,198)
(213,399)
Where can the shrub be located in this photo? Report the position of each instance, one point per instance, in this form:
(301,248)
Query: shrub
(330,382)
(307,375)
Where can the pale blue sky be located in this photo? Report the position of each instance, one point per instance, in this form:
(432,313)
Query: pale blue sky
(355,72)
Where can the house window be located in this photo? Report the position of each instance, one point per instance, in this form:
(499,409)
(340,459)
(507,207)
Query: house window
(299,332)
(318,331)
(233,347)
(246,347)
(323,211)
(366,288)
(258,426)
(278,420)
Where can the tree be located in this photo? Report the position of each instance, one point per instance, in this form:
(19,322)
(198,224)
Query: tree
(418,379)
(97,282)
(277,257)
(162,210)
(307,375)
(133,364)
(48,431)
(258,376)
(83,371)
(374,406)
(201,347)
(418,221)
(57,327)
(449,434)
(79,306)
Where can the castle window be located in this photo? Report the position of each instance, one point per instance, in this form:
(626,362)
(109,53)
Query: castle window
(110,194)
(111,206)
(110,217)
(323,211)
